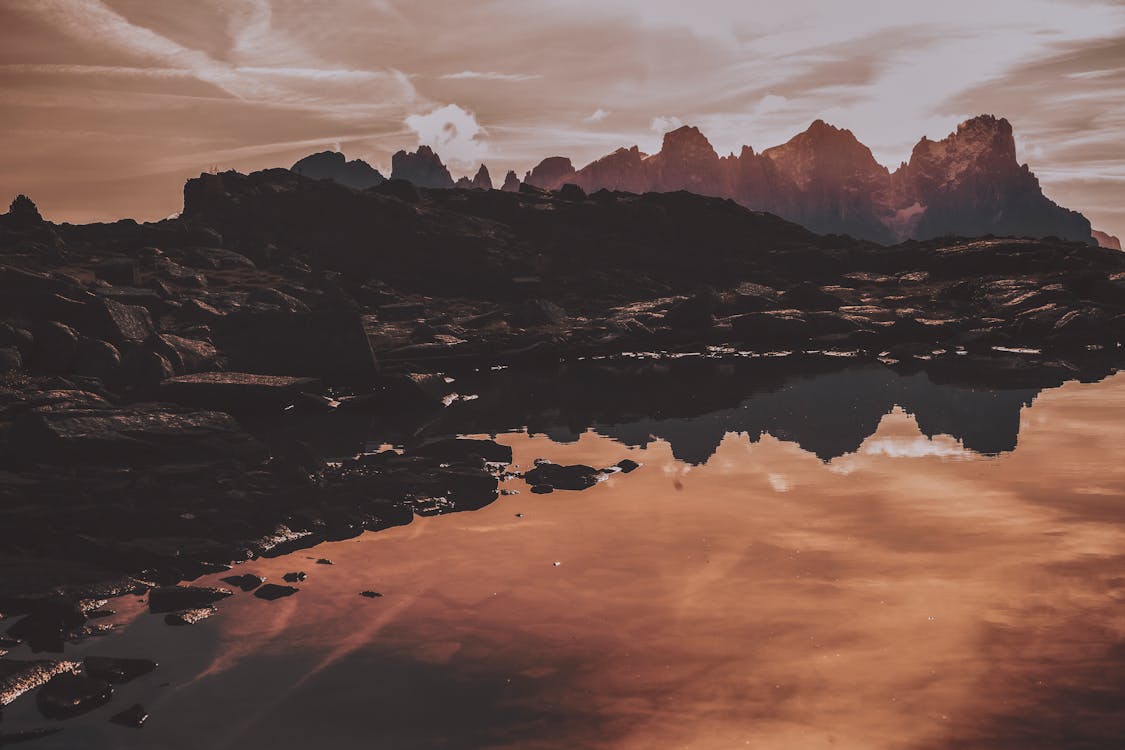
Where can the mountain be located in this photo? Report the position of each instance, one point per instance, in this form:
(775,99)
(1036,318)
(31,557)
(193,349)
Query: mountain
(332,165)
(1107,240)
(423,168)
(970,183)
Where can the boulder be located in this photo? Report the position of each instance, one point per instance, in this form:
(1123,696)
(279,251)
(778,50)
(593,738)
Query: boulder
(119,271)
(132,435)
(236,391)
(97,359)
(186,355)
(121,325)
(56,347)
(318,344)
(10,360)
(144,369)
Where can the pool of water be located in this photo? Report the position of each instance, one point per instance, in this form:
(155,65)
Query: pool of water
(855,559)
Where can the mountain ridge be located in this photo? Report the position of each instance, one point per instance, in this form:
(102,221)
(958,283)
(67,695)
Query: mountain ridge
(969,183)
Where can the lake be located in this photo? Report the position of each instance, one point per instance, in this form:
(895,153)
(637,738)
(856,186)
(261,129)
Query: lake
(841,557)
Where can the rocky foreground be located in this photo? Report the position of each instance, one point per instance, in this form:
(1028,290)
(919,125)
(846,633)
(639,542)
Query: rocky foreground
(161,384)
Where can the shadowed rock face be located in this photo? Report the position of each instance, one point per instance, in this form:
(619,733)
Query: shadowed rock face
(331,165)
(423,168)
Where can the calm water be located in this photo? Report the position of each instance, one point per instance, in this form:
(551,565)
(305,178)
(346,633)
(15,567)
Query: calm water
(854,559)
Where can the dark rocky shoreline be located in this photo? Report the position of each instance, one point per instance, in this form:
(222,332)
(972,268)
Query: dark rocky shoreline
(165,388)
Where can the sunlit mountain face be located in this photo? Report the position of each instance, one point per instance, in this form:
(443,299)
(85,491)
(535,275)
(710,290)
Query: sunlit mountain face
(110,104)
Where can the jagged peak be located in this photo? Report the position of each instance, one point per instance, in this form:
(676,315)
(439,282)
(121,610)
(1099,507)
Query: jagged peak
(686,137)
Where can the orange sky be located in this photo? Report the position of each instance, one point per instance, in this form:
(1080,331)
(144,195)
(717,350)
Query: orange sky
(109,105)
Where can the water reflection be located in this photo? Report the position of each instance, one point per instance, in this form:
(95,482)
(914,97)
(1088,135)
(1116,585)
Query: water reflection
(841,567)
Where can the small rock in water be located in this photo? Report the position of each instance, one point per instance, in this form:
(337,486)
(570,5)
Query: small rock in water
(190,616)
(542,489)
(519,515)
(627,464)
(295,577)
(68,695)
(134,716)
(117,670)
(370,594)
(324,561)
(173,598)
(556,563)
(272,591)
(246,582)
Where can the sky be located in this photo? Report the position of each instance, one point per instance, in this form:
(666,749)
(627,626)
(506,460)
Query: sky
(107,106)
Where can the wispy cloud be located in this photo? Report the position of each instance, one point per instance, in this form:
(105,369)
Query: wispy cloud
(466,75)
(598,115)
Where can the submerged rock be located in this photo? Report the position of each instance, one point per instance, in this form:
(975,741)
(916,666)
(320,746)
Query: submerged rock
(272,591)
(135,716)
(171,598)
(245,582)
(117,671)
(68,695)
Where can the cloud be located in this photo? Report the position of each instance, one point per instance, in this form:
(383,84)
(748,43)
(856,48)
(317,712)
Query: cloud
(662,124)
(451,131)
(490,76)
(599,115)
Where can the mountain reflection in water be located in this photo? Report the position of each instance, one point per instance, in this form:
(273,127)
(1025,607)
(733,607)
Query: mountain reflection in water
(854,572)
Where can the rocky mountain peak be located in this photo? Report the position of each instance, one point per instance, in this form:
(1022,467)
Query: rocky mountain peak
(423,168)
(551,173)
(482,180)
(687,143)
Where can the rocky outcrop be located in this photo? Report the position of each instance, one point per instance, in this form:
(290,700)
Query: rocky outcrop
(1107,240)
(332,165)
(551,173)
(511,182)
(481,180)
(423,168)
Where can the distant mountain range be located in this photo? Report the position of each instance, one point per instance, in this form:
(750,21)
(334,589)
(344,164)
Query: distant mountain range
(968,184)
